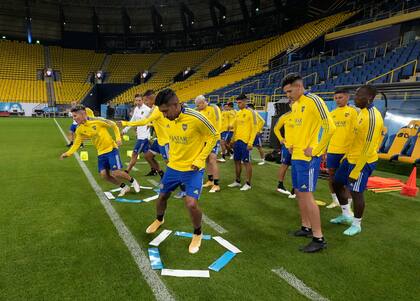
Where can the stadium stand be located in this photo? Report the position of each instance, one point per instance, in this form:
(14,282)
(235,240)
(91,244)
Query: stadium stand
(75,65)
(164,71)
(379,64)
(123,68)
(12,90)
(20,62)
(66,92)
(257,61)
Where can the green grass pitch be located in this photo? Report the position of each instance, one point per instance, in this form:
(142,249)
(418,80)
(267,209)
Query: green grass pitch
(57,242)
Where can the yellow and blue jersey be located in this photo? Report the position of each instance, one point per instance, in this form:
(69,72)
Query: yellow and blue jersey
(365,139)
(191,139)
(285,121)
(96,129)
(157,120)
(310,114)
(228,120)
(245,128)
(213,113)
(260,122)
(344,119)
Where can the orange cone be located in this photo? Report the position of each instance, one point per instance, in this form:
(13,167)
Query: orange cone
(410,188)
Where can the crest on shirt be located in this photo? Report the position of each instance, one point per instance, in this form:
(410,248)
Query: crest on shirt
(303,109)
(184,126)
(346,114)
(360,121)
(94,127)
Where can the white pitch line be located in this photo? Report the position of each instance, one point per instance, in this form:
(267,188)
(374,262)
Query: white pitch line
(134,168)
(298,284)
(216,227)
(159,288)
(219,229)
(153,182)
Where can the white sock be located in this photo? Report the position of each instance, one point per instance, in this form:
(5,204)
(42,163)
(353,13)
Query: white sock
(357,222)
(346,210)
(334,198)
(350,200)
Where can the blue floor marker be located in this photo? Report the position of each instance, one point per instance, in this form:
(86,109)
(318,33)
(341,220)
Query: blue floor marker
(128,201)
(222,261)
(155,260)
(190,235)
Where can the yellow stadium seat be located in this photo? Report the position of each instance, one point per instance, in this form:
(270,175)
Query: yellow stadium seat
(397,145)
(414,157)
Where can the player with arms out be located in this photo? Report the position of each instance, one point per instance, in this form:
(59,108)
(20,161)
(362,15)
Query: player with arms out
(109,163)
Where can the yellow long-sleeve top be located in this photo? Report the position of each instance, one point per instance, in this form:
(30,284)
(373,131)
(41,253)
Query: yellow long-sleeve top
(344,119)
(191,139)
(213,113)
(228,120)
(365,139)
(260,122)
(89,112)
(96,129)
(310,114)
(286,121)
(157,120)
(245,128)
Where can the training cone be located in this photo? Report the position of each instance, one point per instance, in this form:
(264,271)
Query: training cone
(410,188)
(126,138)
(84,156)
(129,153)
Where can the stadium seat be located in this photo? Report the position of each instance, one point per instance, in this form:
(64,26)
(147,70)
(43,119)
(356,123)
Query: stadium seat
(411,151)
(396,144)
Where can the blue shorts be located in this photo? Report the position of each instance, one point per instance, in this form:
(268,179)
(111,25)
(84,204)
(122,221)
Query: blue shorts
(216,148)
(142,146)
(258,140)
(343,172)
(163,150)
(73,127)
(110,161)
(241,152)
(305,174)
(286,157)
(333,160)
(227,135)
(193,181)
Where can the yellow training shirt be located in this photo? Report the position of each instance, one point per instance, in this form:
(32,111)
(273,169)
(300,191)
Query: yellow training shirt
(310,114)
(344,119)
(260,122)
(191,140)
(245,128)
(89,112)
(286,121)
(158,121)
(213,113)
(96,129)
(228,120)
(365,139)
